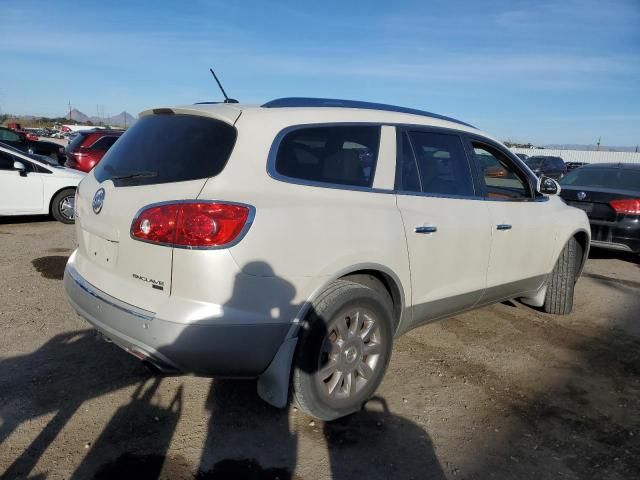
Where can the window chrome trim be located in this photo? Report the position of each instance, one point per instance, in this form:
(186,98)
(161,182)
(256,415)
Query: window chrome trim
(275,145)
(241,235)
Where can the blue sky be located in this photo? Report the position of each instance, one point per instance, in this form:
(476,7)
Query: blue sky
(541,71)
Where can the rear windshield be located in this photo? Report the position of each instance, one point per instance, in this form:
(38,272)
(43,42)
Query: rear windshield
(533,162)
(616,178)
(168,148)
(76,142)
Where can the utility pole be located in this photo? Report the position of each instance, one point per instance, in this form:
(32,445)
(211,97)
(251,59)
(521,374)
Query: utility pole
(69,110)
(598,144)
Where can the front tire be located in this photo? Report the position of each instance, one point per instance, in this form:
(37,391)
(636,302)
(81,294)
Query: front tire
(343,350)
(560,289)
(63,206)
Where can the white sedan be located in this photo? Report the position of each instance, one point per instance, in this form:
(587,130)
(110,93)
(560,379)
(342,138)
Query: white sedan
(30,185)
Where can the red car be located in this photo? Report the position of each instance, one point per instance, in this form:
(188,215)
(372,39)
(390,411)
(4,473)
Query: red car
(89,146)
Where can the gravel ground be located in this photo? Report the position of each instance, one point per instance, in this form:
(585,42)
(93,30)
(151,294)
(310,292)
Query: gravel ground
(502,392)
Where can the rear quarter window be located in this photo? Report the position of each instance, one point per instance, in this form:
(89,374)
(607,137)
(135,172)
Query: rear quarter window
(334,154)
(168,148)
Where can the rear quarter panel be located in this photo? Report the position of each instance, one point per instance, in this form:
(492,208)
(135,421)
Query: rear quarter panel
(308,235)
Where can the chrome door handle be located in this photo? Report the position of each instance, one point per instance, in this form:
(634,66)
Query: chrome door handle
(503,226)
(427,229)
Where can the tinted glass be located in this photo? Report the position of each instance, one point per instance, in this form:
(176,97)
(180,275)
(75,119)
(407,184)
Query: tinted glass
(8,136)
(615,178)
(6,161)
(501,180)
(441,164)
(76,142)
(534,162)
(104,143)
(168,148)
(344,155)
(407,177)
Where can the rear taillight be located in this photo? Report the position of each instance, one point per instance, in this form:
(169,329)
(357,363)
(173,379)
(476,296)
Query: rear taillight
(628,206)
(191,224)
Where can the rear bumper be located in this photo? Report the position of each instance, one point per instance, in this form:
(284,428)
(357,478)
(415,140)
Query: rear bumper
(243,350)
(623,235)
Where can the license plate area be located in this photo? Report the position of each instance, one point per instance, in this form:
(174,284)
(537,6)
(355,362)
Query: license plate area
(101,251)
(585,206)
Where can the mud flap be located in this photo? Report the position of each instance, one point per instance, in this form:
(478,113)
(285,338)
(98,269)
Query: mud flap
(273,384)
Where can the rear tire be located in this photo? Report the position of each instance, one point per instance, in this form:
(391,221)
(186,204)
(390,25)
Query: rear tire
(343,350)
(62,206)
(560,289)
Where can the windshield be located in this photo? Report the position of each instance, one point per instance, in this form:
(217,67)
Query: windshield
(604,177)
(33,156)
(533,162)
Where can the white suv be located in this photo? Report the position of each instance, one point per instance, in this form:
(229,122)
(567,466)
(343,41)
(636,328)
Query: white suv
(294,241)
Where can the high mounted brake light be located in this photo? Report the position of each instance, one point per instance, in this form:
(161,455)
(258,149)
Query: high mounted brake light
(191,224)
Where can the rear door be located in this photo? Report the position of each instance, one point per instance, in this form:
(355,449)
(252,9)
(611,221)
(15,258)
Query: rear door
(522,241)
(447,228)
(161,158)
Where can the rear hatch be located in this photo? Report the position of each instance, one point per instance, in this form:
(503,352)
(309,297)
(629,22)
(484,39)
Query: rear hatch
(161,158)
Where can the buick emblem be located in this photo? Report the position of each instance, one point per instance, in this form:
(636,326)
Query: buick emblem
(98,200)
(580,195)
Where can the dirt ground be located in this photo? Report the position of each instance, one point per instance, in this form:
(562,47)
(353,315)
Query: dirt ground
(502,392)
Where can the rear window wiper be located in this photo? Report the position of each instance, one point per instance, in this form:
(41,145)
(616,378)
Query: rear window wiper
(135,175)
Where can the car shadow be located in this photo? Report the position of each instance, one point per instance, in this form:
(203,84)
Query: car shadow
(16,219)
(245,437)
(605,254)
(57,379)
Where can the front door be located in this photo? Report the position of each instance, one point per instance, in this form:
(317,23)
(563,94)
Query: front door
(522,249)
(447,227)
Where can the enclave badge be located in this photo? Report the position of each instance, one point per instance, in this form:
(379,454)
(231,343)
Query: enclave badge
(98,200)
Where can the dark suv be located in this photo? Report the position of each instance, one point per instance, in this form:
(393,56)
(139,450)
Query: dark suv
(553,167)
(88,147)
(20,141)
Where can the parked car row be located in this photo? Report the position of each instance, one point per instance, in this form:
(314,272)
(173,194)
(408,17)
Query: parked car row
(21,141)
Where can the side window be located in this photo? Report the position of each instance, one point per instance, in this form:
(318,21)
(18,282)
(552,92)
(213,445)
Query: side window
(435,163)
(501,180)
(8,136)
(344,155)
(104,143)
(407,176)
(6,161)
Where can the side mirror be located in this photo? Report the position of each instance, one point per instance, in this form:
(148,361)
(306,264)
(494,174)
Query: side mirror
(548,186)
(19,166)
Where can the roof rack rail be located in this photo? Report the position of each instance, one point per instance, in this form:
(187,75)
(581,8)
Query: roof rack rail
(336,103)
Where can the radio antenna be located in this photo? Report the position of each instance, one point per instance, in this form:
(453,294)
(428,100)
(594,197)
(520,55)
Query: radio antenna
(226,98)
